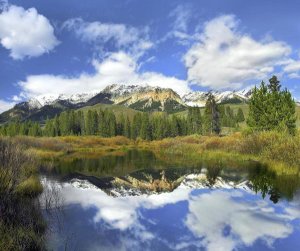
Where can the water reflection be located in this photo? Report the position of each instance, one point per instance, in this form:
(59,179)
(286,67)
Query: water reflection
(163,207)
(184,219)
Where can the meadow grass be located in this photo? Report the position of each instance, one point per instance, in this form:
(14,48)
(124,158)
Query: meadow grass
(278,150)
(21,223)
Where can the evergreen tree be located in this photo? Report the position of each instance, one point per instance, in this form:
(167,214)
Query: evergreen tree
(35,130)
(49,129)
(91,123)
(56,126)
(121,126)
(211,116)
(127,128)
(145,130)
(174,126)
(194,120)
(135,129)
(240,115)
(111,120)
(270,108)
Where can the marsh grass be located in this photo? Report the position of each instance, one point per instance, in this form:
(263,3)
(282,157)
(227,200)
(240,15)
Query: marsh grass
(21,222)
(280,151)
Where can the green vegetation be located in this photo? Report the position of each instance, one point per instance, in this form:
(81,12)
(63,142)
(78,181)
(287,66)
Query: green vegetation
(149,126)
(211,116)
(184,138)
(280,151)
(21,222)
(272,109)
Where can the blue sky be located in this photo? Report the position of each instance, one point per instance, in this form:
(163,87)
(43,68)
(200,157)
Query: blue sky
(50,47)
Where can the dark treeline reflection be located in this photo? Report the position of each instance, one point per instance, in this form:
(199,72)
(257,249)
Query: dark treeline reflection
(144,166)
(268,183)
(111,165)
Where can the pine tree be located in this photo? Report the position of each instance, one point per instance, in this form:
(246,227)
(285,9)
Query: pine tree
(91,123)
(194,120)
(121,126)
(240,115)
(127,128)
(35,130)
(135,129)
(145,130)
(270,108)
(211,116)
(111,120)
(56,126)
(49,129)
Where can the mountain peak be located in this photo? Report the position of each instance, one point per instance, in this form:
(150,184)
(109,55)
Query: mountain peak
(136,96)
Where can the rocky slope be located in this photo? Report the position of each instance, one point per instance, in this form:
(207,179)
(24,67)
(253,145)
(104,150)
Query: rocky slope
(138,97)
(145,98)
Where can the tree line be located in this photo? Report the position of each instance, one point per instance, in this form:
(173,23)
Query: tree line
(143,125)
(270,108)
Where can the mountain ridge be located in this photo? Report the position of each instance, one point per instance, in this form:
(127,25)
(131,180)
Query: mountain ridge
(118,92)
(138,97)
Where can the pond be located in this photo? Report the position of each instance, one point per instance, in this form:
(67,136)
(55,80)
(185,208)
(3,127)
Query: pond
(136,202)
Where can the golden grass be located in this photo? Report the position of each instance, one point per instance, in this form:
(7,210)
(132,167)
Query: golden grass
(30,187)
(75,146)
(278,150)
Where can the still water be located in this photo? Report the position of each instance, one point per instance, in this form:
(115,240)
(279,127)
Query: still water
(135,202)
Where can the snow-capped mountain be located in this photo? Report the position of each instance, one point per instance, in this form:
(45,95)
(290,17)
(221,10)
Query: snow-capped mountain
(138,97)
(41,101)
(199,98)
(144,97)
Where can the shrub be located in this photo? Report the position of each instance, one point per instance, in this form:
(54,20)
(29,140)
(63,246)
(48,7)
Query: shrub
(21,221)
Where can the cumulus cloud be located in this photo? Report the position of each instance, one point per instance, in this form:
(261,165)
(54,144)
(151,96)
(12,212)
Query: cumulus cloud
(292,68)
(224,58)
(118,67)
(6,105)
(243,220)
(120,35)
(207,221)
(26,33)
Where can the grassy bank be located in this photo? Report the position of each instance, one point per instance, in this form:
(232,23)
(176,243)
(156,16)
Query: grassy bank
(278,150)
(21,222)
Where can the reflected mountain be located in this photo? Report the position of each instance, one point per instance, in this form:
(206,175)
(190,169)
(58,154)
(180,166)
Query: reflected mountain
(137,202)
(126,175)
(186,218)
(155,182)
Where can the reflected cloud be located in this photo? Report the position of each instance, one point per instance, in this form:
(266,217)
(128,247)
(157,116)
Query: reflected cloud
(211,219)
(225,222)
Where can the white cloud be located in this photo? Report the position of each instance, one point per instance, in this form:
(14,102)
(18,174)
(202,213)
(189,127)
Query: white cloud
(182,16)
(119,67)
(209,214)
(6,105)
(292,68)
(120,35)
(224,58)
(26,33)
(248,221)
